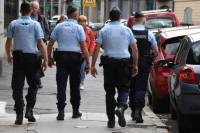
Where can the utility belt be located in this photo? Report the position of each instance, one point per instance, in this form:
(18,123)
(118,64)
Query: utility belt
(57,54)
(110,60)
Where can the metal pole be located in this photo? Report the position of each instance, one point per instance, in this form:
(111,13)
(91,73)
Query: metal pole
(51,8)
(1,35)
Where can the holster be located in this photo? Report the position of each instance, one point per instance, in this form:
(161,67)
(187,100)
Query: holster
(40,72)
(55,54)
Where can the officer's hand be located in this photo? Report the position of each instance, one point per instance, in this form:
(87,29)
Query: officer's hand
(44,65)
(10,59)
(93,71)
(87,69)
(51,62)
(134,71)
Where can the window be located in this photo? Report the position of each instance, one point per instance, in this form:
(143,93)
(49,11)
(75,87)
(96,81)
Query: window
(171,48)
(194,54)
(155,23)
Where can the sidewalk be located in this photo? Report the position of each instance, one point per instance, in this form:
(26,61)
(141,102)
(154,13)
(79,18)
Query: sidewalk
(93,120)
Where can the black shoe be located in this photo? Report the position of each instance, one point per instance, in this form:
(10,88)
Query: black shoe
(111,124)
(61,116)
(120,114)
(138,116)
(29,115)
(76,114)
(19,119)
(40,86)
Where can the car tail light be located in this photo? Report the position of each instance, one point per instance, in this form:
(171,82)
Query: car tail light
(187,75)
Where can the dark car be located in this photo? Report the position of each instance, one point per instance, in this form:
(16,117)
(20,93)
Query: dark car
(184,83)
(168,42)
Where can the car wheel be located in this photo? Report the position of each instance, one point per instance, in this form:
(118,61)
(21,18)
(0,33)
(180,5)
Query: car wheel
(184,124)
(159,106)
(172,112)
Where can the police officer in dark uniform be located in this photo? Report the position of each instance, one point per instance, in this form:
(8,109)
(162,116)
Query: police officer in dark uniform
(71,41)
(116,38)
(27,37)
(146,43)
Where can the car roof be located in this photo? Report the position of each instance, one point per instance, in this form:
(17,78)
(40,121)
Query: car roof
(195,37)
(178,31)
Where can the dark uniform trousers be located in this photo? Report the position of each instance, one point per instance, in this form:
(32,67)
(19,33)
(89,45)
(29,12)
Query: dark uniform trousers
(68,65)
(116,76)
(139,84)
(24,66)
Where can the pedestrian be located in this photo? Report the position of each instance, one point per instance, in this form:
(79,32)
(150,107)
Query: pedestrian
(71,41)
(90,44)
(116,38)
(35,15)
(146,43)
(27,38)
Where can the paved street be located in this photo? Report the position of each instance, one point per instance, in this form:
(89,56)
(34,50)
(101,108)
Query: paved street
(93,108)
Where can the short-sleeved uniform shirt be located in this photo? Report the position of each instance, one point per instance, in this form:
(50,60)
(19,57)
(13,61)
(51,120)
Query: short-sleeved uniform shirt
(69,36)
(25,32)
(151,37)
(115,39)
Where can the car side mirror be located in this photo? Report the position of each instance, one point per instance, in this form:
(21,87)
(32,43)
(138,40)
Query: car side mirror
(166,64)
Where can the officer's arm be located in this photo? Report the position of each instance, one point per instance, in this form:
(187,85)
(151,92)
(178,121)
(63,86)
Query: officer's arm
(85,52)
(96,54)
(154,46)
(41,47)
(50,48)
(8,48)
(134,55)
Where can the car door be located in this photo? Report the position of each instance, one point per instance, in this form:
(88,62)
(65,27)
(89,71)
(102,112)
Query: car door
(179,62)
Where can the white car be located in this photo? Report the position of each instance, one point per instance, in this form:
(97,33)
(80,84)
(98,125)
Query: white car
(57,17)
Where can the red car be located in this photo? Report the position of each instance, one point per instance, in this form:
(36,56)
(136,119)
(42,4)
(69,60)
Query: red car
(168,42)
(156,19)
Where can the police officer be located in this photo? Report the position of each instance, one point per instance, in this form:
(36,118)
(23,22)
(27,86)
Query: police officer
(146,42)
(27,37)
(115,38)
(35,15)
(71,41)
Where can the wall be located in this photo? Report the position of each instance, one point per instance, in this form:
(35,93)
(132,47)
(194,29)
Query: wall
(180,5)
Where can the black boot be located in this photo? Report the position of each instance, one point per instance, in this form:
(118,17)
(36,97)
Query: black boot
(19,118)
(61,115)
(111,124)
(138,116)
(76,114)
(29,115)
(133,113)
(120,114)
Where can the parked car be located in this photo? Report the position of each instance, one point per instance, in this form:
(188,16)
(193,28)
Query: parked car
(184,84)
(156,19)
(123,21)
(168,42)
(54,20)
(96,27)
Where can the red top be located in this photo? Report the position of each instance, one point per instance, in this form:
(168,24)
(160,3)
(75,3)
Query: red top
(90,40)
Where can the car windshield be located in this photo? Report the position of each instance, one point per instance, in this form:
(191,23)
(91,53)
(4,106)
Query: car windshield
(171,48)
(155,23)
(194,54)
